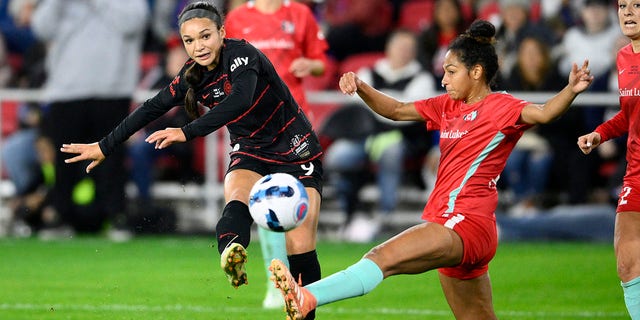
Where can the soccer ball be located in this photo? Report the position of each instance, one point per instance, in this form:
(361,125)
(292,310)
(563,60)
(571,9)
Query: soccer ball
(278,202)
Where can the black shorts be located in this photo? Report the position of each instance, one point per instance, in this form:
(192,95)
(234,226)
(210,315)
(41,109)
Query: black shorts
(309,173)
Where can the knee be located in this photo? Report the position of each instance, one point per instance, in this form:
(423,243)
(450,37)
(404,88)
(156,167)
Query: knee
(377,255)
(627,267)
(388,261)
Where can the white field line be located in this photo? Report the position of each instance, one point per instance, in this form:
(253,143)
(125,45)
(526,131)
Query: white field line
(323,310)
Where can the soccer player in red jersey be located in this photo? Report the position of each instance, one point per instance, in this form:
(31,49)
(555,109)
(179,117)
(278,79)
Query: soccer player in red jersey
(626,121)
(479,128)
(288,34)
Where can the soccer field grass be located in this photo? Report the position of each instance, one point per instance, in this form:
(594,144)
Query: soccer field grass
(180,278)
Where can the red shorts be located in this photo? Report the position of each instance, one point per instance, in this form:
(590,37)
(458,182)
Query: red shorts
(629,198)
(480,241)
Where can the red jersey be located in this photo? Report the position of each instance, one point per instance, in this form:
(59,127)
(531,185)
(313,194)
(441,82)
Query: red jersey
(287,34)
(475,142)
(627,120)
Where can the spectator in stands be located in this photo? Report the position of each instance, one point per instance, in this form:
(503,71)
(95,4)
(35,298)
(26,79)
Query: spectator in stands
(516,23)
(597,28)
(144,165)
(448,22)
(357,26)
(29,71)
(558,15)
(289,35)
(28,161)
(18,37)
(387,146)
(5,68)
(27,156)
(93,58)
(19,16)
(528,167)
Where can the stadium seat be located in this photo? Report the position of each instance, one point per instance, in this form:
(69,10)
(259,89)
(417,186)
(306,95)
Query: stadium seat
(416,15)
(15,62)
(325,82)
(357,61)
(148,60)
(9,117)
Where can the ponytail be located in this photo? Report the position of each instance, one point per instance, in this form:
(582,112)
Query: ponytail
(193,76)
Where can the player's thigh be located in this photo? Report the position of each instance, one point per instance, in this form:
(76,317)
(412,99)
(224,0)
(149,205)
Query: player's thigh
(418,249)
(238,184)
(470,298)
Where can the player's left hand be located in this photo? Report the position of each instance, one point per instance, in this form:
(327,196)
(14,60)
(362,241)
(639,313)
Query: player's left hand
(166,137)
(580,78)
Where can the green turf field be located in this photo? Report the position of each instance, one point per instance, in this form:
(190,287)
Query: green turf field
(180,278)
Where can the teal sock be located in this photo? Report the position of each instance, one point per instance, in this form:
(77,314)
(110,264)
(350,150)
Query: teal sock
(631,291)
(357,280)
(273,246)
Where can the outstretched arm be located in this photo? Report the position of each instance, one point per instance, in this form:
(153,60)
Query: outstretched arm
(579,81)
(379,102)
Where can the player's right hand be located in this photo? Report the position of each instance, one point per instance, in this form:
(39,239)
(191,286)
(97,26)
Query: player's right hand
(588,142)
(89,151)
(349,83)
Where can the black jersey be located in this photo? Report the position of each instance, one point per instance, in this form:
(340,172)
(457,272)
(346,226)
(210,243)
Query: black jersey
(243,93)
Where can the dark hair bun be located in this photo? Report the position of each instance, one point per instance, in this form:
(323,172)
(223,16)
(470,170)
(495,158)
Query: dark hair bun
(483,31)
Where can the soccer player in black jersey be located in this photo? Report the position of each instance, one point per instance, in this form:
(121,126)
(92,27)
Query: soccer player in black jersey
(268,133)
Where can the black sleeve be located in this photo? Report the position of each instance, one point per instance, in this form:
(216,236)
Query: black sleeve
(232,107)
(147,112)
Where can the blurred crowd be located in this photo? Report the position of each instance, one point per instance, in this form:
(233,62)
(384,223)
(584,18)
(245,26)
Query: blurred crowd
(396,45)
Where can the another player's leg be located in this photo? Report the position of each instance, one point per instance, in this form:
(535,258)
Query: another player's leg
(298,300)
(304,265)
(627,248)
(273,246)
(469,299)
(357,280)
(416,250)
(234,234)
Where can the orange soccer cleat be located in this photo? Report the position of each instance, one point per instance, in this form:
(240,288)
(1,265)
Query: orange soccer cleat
(298,300)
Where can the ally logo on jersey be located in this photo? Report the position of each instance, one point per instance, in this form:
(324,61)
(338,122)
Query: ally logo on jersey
(238,62)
